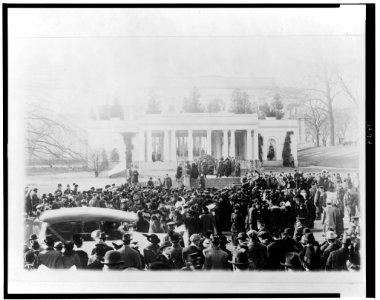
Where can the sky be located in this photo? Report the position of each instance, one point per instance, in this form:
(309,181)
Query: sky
(71,59)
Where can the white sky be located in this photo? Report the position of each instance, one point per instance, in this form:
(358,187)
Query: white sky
(67,58)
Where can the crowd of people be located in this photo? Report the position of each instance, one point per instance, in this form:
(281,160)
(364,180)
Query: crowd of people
(265,223)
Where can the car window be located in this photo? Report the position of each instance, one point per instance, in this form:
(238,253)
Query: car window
(65,230)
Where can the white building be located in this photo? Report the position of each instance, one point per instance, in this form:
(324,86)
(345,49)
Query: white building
(160,141)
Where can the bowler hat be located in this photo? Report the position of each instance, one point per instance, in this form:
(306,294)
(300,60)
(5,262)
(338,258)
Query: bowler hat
(346,241)
(49,239)
(174,238)
(33,237)
(126,237)
(113,257)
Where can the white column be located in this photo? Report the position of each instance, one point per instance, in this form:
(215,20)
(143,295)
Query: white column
(166,145)
(209,142)
(149,145)
(190,145)
(141,146)
(255,145)
(232,145)
(249,144)
(225,143)
(173,154)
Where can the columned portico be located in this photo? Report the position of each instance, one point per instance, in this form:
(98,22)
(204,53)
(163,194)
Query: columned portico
(249,144)
(225,143)
(232,144)
(173,146)
(149,145)
(190,145)
(209,142)
(166,145)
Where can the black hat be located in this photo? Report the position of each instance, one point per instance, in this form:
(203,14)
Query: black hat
(49,239)
(33,237)
(113,257)
(126,237)
(174,238)
(309,237)
(153,238)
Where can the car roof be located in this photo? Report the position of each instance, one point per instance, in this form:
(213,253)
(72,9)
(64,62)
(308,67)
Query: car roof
(87,214)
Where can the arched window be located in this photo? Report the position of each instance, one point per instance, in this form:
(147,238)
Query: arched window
(271,151)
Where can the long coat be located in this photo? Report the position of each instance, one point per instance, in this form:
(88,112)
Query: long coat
(329,216)
(216,259)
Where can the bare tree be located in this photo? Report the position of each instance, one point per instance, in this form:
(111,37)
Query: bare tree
(324,88)
(50,138)
(345,85)
(316,117)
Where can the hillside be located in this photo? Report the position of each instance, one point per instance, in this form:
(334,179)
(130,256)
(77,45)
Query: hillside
(338,157)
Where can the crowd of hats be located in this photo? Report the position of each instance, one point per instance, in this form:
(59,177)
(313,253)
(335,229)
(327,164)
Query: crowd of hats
(282,201)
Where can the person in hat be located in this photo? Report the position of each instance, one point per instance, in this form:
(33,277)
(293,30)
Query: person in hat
(237,224)
(35,199)
(329,215)
(354,228)
(58,191)
(151,251)
(176,254)
(141,224)
(331,245)
(207,221)
(130,256)
(97,264)
(69,256)
(49,257)
(215,258)
(164,260)
(292,262)
(113,261)
(67,190)
(337,260)
(320,201)
(29,260)
(155,225)
(33,237)
(58,246)
(150,183)
(257,252)
(241,261)
(83,256)
(193,251)
(310,255)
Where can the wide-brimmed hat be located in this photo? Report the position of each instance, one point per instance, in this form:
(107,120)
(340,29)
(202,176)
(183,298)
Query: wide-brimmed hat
(165,245)
(153,238)
(292,260)
(113,257)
